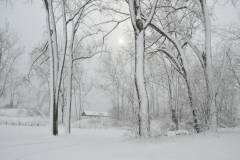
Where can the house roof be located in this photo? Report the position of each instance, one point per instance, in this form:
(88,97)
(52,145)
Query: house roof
(94,113)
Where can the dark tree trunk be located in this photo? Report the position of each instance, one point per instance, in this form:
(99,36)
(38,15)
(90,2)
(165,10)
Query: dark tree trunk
(195,121)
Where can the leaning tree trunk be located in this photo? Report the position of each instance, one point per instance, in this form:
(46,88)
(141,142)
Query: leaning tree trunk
(195,124)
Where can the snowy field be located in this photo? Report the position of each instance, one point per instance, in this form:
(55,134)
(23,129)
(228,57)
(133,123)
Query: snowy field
(34,143)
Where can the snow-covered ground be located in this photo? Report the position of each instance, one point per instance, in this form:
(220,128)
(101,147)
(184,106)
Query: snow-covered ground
(34,143)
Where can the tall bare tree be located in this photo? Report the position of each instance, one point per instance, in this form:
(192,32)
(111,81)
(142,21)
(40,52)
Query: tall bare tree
(10,51)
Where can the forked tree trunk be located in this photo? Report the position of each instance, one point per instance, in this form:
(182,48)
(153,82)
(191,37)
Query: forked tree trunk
(139,27)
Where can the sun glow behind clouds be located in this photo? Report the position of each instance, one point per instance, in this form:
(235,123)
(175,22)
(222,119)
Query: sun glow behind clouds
(120,41)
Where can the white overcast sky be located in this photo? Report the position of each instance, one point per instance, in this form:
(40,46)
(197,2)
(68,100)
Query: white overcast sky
(29,21)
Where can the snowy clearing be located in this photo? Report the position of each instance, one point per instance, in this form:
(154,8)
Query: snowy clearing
(28,143)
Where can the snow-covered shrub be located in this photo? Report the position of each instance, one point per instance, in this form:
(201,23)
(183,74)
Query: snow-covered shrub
(94,120)
(132,126)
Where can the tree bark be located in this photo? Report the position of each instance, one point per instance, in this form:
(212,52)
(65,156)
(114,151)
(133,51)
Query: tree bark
(143,113)
(69,95)
(0,53)
(139,27)
(53,126)
(207,57)
(195,124)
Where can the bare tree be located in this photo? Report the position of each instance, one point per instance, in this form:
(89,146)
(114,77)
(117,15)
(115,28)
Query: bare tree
(6,2)
(56,66)
(81,88)
(10,51)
